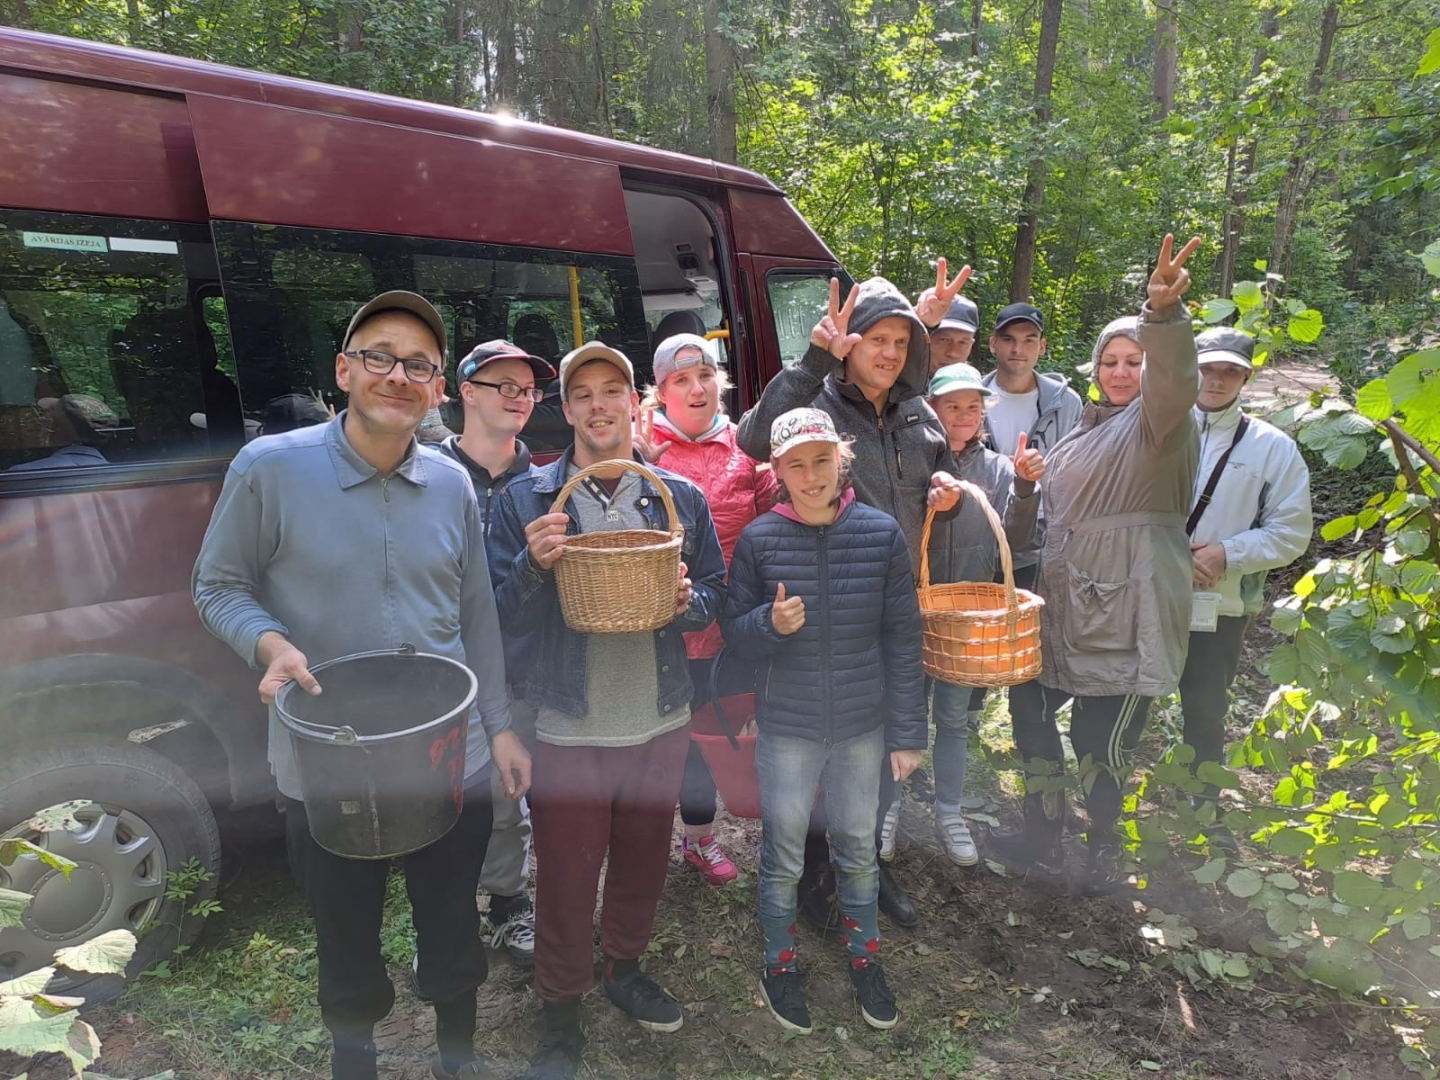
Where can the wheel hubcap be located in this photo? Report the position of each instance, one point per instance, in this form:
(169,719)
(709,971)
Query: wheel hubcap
(118,884)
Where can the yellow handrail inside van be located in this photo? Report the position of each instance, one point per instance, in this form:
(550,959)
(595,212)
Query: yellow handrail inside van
(575,326)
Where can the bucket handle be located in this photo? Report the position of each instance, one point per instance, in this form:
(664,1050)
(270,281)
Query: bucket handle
(715,700)
(346,735)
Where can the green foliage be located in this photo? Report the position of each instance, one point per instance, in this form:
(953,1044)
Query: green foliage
(1261,311)
(1349,743)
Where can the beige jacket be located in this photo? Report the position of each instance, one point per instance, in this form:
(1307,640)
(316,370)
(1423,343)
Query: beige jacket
(1115,570)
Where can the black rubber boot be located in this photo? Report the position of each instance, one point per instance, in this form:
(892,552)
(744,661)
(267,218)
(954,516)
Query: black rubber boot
(354,1057)
(455,1031)
(895,902)
(816,896)
(1037,845)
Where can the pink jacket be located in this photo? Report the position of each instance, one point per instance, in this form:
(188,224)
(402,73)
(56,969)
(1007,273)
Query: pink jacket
(736,486)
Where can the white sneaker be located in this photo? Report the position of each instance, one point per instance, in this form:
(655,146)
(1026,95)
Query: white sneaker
(517,936)
(955,839)
(888,830)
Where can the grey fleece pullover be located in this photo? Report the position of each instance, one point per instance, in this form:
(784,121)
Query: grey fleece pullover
(898,449)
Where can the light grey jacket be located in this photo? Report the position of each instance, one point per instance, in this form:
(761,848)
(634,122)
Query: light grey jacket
(1115,570)
(1261,509)
(962,545)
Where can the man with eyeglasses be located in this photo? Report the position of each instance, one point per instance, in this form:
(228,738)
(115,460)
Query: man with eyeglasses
(498,391)
(343,538)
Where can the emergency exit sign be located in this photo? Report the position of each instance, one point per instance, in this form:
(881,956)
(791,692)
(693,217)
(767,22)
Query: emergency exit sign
(66,242)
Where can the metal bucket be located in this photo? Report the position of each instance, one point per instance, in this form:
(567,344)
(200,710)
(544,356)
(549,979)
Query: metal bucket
(381,752)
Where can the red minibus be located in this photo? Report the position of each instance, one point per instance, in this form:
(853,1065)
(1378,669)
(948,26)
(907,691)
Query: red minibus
(181,245)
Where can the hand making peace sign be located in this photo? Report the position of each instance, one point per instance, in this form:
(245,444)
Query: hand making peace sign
(1171,280)
(830,333)
(935,303)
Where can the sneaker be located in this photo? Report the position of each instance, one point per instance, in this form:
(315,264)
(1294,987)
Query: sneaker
(558,1057)
(894,902)
(710,859)
(781,991)
(642,999)
(516,933)
(888,828)
(877,1003)
(955,839)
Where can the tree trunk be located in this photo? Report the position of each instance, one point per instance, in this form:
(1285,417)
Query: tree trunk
(1023,265)
(1240,168)
(506,94)
(1163,82)
(1288,205)
(977,9)
(460,86)
(719,84)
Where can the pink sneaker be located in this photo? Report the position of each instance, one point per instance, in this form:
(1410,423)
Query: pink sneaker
(710,860)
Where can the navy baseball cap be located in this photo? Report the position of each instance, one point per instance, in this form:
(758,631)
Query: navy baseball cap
(490,351)
(1018,313)
(963,315)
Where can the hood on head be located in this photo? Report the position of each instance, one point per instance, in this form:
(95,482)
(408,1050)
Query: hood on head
(1125,326)
(881,300)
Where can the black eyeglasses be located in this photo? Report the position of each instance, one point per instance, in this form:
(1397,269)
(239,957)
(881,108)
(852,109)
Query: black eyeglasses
(382,363)
(512,390)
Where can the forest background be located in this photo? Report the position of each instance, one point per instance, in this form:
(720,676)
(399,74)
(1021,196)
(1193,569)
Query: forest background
(1046,142)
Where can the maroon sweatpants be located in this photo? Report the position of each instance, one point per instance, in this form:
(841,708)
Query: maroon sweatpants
(587,802)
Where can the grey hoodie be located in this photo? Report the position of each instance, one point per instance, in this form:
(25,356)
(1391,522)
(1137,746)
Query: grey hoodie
(896,451)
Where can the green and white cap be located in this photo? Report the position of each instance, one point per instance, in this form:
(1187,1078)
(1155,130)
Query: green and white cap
(954,377)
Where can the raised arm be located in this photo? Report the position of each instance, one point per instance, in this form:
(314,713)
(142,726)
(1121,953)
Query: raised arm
(798,385)
(1170,382)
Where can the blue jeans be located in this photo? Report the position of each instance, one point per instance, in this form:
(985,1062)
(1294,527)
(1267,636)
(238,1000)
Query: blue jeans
(952,745)
(789,770)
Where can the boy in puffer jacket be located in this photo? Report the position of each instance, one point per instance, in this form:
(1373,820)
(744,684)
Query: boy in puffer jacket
(963,548)
(822,592)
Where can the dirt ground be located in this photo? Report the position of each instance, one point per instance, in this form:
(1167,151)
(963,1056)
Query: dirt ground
(989,984)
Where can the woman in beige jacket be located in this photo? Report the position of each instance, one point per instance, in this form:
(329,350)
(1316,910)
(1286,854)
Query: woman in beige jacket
(1114,572)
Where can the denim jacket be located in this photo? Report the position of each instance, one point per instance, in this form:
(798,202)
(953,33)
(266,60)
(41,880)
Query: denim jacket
(528,600)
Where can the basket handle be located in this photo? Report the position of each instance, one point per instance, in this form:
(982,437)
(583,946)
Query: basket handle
(1007,565)
(630,465)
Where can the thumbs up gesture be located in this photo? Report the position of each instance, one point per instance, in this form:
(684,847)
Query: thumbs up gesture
(1029,463)
(786,616)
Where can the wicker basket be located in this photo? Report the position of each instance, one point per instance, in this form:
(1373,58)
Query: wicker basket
(622,581)
(978,633)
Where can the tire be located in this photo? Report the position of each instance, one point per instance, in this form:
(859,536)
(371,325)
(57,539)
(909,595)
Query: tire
(147,819)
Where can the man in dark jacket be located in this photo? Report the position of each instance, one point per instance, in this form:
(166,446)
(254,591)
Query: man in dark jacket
(867,368)
(611,731)
(499,386)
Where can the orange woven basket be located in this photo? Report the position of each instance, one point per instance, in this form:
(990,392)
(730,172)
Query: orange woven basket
(979,633)
(622,581)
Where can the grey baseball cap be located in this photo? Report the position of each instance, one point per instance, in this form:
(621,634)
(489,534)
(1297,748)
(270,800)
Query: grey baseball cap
(400,300)
(1225,345)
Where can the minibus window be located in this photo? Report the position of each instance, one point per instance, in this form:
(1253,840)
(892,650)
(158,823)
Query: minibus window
(797,300)
(105,355)
(290,293)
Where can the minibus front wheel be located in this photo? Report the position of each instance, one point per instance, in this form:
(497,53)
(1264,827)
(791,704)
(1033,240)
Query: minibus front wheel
(142,821)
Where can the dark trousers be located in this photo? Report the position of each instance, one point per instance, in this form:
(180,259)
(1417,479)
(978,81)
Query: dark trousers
(1024,579)
(589,802)
(347,900)
(697,788)
(1104,732)
(1205,686)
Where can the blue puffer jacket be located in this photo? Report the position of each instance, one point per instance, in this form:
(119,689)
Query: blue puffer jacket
(855,664)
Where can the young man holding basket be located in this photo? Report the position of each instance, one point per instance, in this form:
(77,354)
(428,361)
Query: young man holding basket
(612,729)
